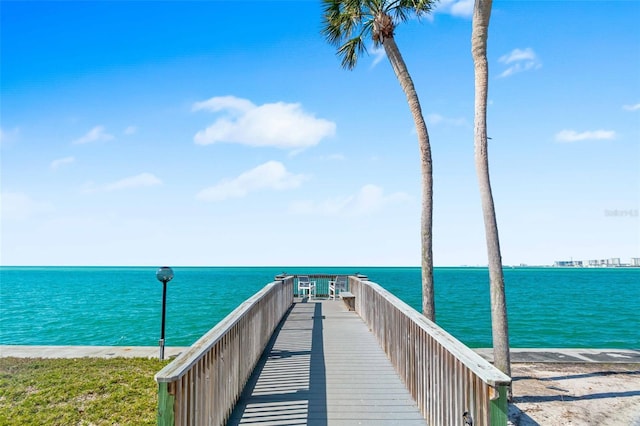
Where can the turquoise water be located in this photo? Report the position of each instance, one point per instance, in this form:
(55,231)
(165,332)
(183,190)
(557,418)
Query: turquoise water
(547,307)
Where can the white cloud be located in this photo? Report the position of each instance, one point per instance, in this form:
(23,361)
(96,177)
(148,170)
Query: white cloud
(635,107)
(573,136)
(138,181)
(89,187)
(221,103)
(280,124)
(56,164)
(378,54)
(458,8)
(130,130)
(519,60)
(19,206)
(334,157)
(97,134)
(369,199)
(270,175)
(518,55)
(435,119)
(8,136)
(462,8)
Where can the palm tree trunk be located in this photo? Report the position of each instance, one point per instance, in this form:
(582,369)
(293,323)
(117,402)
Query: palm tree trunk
(499,326)
(400,69)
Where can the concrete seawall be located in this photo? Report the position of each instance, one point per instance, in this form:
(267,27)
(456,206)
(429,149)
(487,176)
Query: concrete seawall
(518,355)
(21,351)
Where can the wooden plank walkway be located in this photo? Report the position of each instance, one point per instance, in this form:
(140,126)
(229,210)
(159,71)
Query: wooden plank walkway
(323,368)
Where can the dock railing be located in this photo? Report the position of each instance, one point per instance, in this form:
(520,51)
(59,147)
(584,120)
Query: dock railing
(322,283)
(445,377)
(202,385)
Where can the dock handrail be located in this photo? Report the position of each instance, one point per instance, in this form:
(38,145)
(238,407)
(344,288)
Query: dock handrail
(202,385)
(445,377)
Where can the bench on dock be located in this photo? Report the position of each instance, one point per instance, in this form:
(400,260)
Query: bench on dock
(349,300)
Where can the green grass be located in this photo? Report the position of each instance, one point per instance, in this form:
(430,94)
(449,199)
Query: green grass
(82,391)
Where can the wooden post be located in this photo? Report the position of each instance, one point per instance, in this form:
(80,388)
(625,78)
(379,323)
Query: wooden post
(165,405)
(499,407)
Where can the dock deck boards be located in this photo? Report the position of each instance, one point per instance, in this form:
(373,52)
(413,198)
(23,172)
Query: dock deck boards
(324,367)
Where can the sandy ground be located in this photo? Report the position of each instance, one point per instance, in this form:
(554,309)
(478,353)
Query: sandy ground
(575,394)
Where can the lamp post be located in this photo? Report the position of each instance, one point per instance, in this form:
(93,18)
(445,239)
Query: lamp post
(164,275)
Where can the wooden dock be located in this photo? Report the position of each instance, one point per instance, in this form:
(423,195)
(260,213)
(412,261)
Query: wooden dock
(324,367)
(279,360)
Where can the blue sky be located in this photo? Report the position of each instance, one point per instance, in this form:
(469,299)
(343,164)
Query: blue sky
(226,133)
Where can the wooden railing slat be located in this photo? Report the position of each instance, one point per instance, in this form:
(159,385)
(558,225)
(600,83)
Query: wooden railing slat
(209,377)
(445,377)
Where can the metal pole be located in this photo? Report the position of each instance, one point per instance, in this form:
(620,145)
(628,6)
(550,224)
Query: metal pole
(164,305)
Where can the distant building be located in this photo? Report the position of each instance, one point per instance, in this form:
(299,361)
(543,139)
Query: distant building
(614,261)
(568,263)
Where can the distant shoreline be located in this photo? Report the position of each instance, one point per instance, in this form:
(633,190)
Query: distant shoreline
(235,266)
(521,266)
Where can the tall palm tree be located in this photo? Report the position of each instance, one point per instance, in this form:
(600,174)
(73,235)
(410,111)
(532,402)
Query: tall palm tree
(499,326)
(348,24)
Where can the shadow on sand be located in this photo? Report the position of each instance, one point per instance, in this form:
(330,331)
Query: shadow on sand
(520,418)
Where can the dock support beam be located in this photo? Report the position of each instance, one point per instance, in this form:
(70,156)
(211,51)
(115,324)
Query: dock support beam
(165,405)
(499,407)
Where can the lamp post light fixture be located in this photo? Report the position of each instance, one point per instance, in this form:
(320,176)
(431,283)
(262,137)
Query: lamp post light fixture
(164,275)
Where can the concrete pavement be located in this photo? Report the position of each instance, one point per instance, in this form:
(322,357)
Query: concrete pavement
(518,355)
(18,351)
(573,356)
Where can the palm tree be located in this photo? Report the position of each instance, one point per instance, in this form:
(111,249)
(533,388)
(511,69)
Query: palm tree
(348,24)
(499,326)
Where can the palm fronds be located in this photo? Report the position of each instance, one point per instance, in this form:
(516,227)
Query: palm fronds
(348,23)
